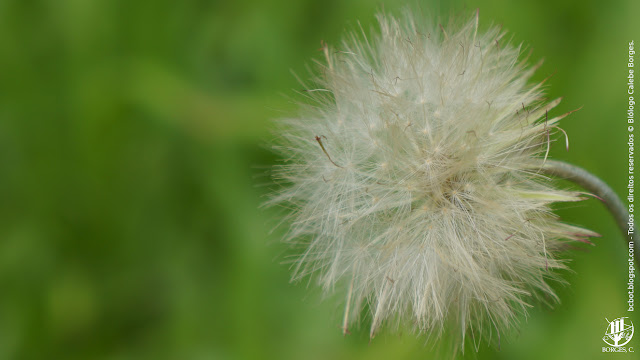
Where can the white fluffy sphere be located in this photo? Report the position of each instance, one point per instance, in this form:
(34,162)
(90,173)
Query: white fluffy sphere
(414,179)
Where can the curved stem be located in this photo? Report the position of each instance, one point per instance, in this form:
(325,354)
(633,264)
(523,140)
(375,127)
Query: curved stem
(599,188)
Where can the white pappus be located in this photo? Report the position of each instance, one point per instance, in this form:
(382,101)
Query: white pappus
(413,180)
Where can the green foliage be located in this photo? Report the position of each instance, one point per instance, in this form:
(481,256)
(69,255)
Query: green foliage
(132,154)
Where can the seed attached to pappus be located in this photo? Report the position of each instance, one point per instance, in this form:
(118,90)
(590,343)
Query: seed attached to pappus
(415,180)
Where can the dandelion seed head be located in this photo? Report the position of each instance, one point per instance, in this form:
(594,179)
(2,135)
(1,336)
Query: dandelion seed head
(413,180)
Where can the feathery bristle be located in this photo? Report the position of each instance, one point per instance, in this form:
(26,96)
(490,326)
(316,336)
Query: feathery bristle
(414,179)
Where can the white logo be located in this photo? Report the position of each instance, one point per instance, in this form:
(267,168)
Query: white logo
(619,332)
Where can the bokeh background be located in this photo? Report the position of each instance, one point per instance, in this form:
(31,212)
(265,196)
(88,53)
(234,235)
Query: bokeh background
(132,167)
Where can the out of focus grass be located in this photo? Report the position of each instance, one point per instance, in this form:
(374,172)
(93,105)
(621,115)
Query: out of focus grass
(132,161)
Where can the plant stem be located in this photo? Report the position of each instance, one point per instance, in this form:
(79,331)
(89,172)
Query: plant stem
(600,189)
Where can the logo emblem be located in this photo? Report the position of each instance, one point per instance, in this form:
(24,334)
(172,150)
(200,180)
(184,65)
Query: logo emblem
(619,332)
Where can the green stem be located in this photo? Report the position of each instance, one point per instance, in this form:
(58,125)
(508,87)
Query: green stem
(600,189)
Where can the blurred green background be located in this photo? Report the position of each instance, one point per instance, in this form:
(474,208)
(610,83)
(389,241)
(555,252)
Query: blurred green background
(133,159)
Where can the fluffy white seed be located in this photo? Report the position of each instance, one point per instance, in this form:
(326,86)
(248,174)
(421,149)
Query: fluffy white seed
(413,179)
